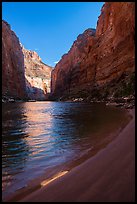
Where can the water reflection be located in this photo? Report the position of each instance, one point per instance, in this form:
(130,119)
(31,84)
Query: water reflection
(37,136)
(15,149)
(39,127)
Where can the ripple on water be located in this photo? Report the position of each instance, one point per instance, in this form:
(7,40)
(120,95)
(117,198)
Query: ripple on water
(40,136)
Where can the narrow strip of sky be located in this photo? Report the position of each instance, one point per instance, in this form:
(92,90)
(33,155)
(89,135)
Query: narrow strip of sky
(50,28)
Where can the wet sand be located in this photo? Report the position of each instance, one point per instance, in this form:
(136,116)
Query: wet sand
(109,176)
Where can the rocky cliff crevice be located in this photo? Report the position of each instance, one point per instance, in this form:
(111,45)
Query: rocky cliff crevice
(98,63)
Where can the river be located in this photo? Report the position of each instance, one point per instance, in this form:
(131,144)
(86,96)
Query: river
(41,138)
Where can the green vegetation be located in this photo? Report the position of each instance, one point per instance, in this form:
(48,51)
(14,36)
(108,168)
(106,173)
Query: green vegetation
(126,87)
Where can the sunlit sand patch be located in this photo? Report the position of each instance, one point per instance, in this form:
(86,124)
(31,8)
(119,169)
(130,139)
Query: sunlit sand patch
(46,182)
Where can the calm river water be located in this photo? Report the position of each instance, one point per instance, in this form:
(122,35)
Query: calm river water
(39,137)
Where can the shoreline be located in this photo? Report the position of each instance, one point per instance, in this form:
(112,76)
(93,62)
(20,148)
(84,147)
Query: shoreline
(69,186)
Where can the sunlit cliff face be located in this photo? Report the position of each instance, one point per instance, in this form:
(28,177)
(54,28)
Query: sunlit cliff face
(37,74)
(39,83)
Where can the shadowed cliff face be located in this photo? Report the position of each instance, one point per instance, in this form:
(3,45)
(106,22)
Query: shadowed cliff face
(72,70)
(37,74)
(13,79)
(101,61)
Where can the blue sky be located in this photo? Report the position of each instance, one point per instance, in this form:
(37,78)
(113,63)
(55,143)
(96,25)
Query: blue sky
(50,28)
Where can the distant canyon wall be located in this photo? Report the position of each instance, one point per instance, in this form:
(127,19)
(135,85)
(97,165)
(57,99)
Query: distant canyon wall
(37,74)
(13,73)
(99,61)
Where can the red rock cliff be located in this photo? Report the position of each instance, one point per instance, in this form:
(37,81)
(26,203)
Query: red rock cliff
(99,61)
(37,74)
(73,69)
(13,78)
(115,33)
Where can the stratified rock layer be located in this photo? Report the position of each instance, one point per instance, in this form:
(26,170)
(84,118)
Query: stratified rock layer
(13,78)
(38,76)
(99,61)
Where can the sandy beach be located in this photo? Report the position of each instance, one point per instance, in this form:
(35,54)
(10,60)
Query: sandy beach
(109,176)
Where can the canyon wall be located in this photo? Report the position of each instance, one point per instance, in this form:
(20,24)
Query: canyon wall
(38,76)
(13,78)
(100,63)
(24,75)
